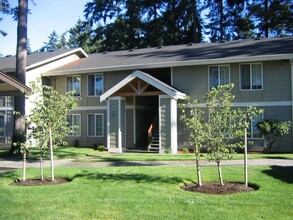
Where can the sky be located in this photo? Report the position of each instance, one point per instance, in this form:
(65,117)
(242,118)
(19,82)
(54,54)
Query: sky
(46,16)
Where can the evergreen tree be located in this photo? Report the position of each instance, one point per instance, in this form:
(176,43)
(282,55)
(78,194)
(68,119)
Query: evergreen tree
(4,9)
(240,24)
(55,42)
(82,35)
(18,136)
(272,17)
(217,20)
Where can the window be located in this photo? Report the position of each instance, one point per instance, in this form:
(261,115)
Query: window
(95,85)
(96,125)
(253,131)
(251,76)
(219,75)
(73,84)
(2,125)
(74,120)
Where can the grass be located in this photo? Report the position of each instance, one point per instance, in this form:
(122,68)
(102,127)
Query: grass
(90,155)
(147,193)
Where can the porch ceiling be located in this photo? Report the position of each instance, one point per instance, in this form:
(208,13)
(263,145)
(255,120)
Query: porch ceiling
(11,87)
(142,84)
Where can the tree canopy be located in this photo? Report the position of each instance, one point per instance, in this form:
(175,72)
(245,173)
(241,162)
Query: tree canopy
(126,24)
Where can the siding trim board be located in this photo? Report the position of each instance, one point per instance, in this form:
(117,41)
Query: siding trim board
(256,104)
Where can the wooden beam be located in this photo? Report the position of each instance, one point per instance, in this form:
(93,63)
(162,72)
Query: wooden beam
(155,93)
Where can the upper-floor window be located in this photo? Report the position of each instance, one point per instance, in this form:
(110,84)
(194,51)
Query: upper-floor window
(96,125)
(219,75)
(95,85)
(251,76)
(73,84)
(74,120)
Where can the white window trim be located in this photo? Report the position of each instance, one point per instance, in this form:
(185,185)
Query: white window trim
(103,121)
(219,79)
(4,131)
(240,82)
(79,126)
(87,86)
(71,90)
(251,130)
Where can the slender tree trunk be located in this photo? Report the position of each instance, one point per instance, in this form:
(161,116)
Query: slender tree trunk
(221,20)
(21,53)
(245,159)
(197,155)
(266,18)
(41,164)
(220,174)
(24,166)
(51,155)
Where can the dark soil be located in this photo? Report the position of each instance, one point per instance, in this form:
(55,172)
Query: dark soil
(39,182)
(217,189)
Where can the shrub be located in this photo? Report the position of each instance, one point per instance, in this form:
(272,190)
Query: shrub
(185,150)
(167,151)
(101,147)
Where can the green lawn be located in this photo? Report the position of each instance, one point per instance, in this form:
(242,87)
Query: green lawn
(90,155)
(147,193)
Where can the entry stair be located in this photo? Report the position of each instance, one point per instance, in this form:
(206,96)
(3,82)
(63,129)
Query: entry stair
(154,142)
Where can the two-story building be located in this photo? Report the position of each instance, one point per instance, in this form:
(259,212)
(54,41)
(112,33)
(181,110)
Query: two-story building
(128,95)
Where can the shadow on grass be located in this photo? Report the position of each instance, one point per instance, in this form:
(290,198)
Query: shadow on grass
(283,173)
(9,175)
(277,157)
(121,177)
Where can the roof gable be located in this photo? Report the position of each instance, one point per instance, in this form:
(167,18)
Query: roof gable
(35,60)
(169,90)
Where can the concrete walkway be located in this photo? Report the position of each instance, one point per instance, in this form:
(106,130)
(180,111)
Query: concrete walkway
(7,164)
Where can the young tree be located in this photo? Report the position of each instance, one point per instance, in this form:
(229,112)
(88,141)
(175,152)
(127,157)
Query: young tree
(225,125)
(48,125)
(193,119)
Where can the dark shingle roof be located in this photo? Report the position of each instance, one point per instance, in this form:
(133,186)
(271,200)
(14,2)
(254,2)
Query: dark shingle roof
(175,55)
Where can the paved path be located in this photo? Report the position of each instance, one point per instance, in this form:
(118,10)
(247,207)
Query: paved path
(6,164)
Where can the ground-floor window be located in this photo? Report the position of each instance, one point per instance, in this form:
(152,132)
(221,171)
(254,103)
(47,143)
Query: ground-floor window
(74,120)
(96,125)
(2,125)
(253,131)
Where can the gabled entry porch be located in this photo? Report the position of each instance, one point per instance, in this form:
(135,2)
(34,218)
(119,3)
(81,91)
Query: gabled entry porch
(154,107)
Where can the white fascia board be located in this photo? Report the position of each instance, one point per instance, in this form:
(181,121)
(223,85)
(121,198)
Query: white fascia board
(174,64)
(118,86)
(77,50)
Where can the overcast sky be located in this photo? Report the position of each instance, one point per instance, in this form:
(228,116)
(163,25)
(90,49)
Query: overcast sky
(46,16)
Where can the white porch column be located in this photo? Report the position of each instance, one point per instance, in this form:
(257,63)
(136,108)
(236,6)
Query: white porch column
(167,124)
(116,124)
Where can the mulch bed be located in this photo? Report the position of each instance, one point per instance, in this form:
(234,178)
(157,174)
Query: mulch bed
(217,189)
(39,182)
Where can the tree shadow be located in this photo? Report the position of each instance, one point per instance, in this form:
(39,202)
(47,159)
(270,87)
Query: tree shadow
(278,157)
(121,177)
(9,175)
(283,173)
